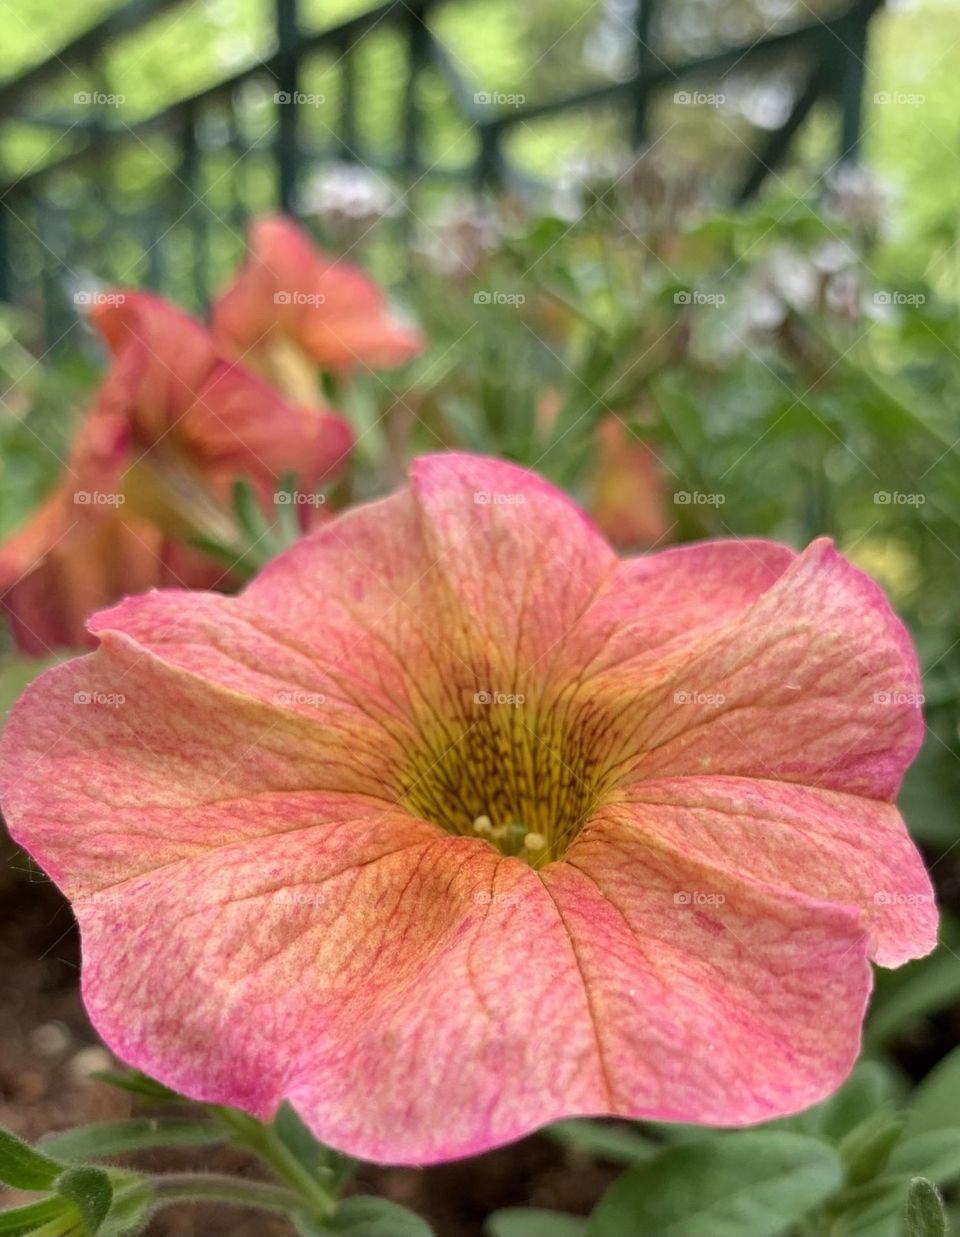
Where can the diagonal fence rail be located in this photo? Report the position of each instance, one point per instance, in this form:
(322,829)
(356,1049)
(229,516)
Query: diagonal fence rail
(61,217)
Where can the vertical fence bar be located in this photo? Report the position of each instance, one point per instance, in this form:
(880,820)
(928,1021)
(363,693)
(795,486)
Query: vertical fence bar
(349,137)
(286,150)
(643,32)
(488,170)
(189,174)
(418,53)
(237,145)
(851,81)
(6,282)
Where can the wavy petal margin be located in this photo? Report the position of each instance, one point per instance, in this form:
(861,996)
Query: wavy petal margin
(224,791)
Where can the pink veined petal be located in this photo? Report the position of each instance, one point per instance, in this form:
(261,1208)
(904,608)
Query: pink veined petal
(712,1001)
(821,844)
(815,683)
(417,997)
(660,603)
(147,747)
(522,562)
(365,969)
(356,721)
(415,994)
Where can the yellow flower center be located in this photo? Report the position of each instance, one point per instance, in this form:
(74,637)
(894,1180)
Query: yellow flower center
(517,775)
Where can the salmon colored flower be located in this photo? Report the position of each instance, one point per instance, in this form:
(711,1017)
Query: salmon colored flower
(172,427)
(293,308)
(628,493)
(454,823)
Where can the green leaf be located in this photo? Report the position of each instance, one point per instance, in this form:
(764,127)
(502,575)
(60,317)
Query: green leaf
(298,1138)
(249,515)
(286,513)
(138,1084)
(90,1190)
(935,1154)
(871,1210)
(97,1142)
(934,984)
(534,1222)
(755,1184)
(866,1149)
(133,1199)
(311,1153)
(16,674)
(19,1220)
(936,1102)
(925,1216)
(23,1167)
(367,1216)
(868,1088)
(618,1143)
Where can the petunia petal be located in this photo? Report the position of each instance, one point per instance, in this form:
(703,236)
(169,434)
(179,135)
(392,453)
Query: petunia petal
(658,603)
(820,844)
(712,1001)
(816,683)
(267,810)
(522,562)
(417,997)
(290,290)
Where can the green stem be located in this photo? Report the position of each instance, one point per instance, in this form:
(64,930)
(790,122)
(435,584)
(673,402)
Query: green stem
(264,1141)
(222,1188)
(62,1226)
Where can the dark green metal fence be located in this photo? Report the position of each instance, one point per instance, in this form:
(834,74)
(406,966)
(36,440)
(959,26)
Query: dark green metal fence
(66,216)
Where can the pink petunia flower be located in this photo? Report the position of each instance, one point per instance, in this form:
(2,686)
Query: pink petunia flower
(454,823)
(293,308)
(172,427)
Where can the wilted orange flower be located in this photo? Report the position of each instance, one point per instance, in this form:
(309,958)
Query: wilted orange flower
(172,426)
(293,308)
